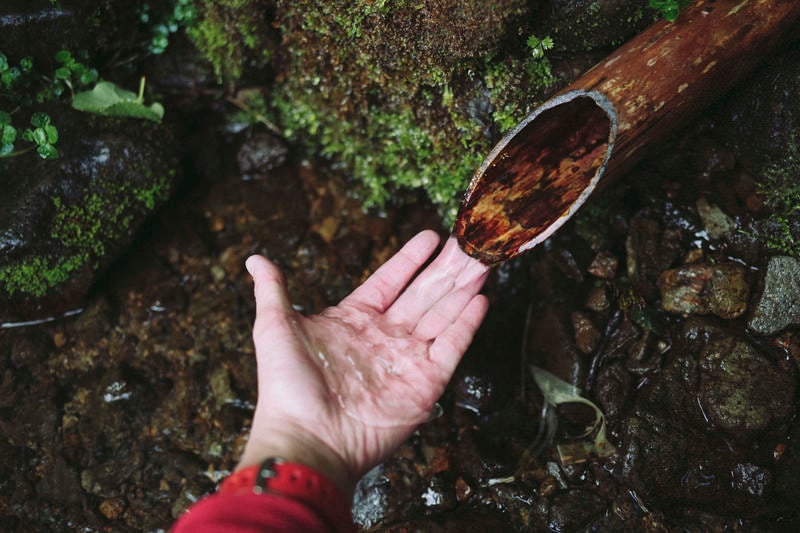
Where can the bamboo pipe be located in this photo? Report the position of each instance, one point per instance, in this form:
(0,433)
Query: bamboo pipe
(598,127)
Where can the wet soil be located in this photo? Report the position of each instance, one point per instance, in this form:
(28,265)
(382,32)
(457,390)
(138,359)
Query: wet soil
(119,418)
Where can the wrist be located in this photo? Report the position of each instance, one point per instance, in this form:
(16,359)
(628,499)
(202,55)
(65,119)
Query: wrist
(294,445)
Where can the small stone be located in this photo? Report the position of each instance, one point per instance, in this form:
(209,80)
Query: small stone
(586,334)
(751,479)
(603,266)
(779,304)
(259,154)
(217,273)
(112,508)
(701,289)
(597,299)
(463,490)
(59,339)
(716,223)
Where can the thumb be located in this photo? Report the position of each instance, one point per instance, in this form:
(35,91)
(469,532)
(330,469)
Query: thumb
(272,300)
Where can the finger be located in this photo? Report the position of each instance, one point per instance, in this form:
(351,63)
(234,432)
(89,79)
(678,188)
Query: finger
(383,286)
(272,300)
(449,347)
(447,310)
(452,270)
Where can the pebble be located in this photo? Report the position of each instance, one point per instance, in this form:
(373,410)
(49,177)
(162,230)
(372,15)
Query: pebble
(604,265)
(741,391)
(704,288)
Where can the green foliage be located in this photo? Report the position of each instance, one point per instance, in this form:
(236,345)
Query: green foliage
(510,82)
(43,136)
(229,33)
(181,16)
(22,88)
(108,99)
(539,46)
(407,96)
(669,8)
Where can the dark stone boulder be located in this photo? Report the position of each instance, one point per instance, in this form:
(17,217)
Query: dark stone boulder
(578,26)
(40,28)
(63,221)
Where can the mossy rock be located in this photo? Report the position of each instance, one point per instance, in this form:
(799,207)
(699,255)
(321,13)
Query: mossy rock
(63,221)
(405,94)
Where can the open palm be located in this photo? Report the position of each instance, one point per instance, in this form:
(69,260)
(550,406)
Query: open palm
(360,376)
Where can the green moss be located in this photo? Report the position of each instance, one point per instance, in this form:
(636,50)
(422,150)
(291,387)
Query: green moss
(37,275)
(101,218)
(780,189)
(407,96)
(228,33)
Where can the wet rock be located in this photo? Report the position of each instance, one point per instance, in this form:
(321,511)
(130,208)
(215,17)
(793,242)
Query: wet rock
(779,303)
(650,249)
(751,479)
(587,335)
(67,24)
(698,289)
(369,500)
(611,389)
(715,222)
(475,393)
(760,120)
(260,153)
(597,299)
(573,509)
(603,266)
(63,221)
(742,392)
(439,494)
(576,28)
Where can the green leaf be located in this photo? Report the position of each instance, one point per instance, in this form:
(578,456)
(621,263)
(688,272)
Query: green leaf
(3,62)
(39,136)
(63,56)
(47,151)
(8,134)
(6,149)
(110,100)
(5,118)
(52,133)
(40,120)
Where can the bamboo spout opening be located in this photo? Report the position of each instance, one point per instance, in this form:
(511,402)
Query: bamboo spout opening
(537,177)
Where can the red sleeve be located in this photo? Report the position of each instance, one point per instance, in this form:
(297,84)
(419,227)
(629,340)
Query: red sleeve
(247,512)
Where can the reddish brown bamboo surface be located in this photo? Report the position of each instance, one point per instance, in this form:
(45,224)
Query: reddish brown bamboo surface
(593,131)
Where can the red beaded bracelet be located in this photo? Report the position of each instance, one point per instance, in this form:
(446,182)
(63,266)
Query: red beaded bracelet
(294,480)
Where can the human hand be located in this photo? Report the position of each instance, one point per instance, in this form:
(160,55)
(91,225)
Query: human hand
(339,391)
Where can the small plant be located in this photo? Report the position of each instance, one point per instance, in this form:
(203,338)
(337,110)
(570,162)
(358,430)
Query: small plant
(669,8)
(108,99)
(539,46)
(181,16)
(22,87)
(42,135)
